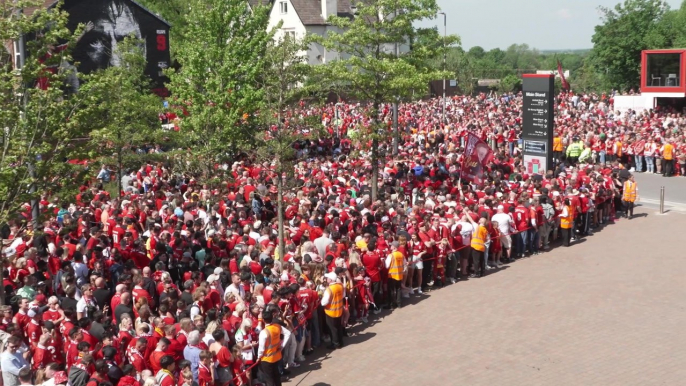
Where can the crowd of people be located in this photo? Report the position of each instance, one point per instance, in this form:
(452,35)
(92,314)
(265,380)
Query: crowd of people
(180,281)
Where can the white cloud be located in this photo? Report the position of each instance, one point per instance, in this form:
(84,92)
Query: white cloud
(563,13)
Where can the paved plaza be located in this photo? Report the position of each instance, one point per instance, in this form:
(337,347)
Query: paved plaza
(649,190)
(607,311)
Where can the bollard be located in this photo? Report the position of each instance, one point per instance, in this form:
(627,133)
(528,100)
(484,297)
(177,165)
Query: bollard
(662,200)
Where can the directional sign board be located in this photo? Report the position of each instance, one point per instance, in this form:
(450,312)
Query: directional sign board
(538,121)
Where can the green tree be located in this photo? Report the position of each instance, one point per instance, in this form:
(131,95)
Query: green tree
(376,64)
(671,31)
(285,69)
(627,29)
(521,57)
(38,122)
(222,57)
(123,110)
(496,55)
(477,52)
(510,83)
(462,67)
(586,78)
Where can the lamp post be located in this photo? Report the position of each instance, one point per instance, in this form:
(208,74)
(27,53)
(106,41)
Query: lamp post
(445,54)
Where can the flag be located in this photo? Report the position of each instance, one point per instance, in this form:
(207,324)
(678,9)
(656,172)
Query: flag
(565,85)
(639,146)
(477,154)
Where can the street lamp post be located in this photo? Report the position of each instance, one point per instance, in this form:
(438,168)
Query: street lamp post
(445,54)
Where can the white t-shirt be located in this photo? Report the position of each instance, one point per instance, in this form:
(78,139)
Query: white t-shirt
(503,220)
(237,290)
(82,306)
(246,339)
(80,271)
(49,382)
(466,232)
(208,339)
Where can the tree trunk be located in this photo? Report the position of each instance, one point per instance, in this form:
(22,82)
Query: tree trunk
(396,129)
(120,174)
(35,212)
(279,208)
(375,169)
(119,161)
(375,152)
(2,279)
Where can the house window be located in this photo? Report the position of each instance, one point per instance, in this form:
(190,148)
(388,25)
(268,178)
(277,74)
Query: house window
(17,55)
(289,33)
(283,6)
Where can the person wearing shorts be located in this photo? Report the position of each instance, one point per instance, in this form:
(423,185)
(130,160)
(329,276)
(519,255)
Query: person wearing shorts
(418,252)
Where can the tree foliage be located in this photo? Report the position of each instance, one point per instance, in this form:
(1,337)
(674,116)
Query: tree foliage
(122,110)
(467,67)
(282,125)
(382,57)
(222,56)
(510,83)
(40,129)
(627,29)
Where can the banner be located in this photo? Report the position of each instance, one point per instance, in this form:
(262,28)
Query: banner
(639,146)
(477,154)
(565,84)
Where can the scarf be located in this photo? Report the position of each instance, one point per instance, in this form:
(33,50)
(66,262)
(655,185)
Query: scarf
(163,373)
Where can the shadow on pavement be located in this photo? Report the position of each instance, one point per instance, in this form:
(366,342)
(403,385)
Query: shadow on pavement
(320,354)
(356,329)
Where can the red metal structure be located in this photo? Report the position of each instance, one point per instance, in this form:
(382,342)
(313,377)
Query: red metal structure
(663,71)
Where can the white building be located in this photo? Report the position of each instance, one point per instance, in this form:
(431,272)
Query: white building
(303,17)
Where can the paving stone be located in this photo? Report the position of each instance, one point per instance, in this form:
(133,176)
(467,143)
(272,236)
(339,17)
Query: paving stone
(607,311)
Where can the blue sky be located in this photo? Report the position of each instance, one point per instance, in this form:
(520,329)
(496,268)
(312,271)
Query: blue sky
(542,24)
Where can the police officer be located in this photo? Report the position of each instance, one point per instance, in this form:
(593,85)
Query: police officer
(574,150)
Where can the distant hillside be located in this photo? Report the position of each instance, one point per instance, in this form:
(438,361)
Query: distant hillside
(576,52)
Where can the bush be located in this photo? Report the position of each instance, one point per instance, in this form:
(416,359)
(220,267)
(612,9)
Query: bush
(510,83)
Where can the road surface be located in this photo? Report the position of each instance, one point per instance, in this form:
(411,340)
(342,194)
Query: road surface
(607,311)
(649,191)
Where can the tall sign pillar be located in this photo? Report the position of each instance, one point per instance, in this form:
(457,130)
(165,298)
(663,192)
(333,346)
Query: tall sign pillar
(538,121)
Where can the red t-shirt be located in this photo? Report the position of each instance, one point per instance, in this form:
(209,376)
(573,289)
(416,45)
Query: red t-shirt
(521,218)
(42,357)
(237,368)
(204,376)
(372,264)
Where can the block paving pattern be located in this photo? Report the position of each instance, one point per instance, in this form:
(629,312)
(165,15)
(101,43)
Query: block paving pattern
(606,311)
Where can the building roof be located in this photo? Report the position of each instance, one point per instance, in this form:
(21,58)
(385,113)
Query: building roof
(255,3)
(52,3)
(158,17)
(310,11)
